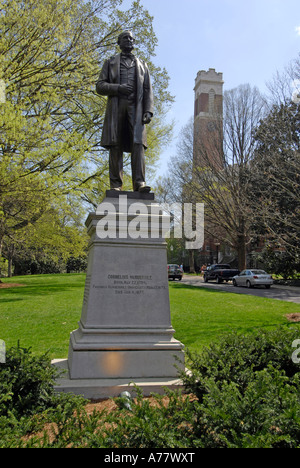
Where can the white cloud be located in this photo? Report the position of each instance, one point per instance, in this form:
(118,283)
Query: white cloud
(297,29)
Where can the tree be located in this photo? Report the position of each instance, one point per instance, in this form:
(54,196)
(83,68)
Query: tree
(212,168)
(224,187)
(284,87)
(274,172)
(176,187)
(51,118)
(275,178)
(50,55)
(21,208)
(46,245)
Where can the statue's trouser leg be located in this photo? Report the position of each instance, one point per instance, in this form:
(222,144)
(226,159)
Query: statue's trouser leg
(138,166)
(138,150)
(126,122)
(116,167)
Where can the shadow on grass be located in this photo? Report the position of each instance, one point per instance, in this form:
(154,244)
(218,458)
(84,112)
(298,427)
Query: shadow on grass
(15,299)
(41,287)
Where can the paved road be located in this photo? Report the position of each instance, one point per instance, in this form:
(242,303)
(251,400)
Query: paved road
(282,293)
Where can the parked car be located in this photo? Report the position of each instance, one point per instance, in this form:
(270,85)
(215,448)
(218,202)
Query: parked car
(251,278)
(175,272)
(220,273)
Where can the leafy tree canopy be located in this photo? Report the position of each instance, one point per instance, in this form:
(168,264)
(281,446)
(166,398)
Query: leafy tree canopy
(51,118)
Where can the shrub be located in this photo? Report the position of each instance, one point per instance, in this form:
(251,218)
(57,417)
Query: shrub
(150,425)
(77,264)
(235,358)
(242,392)
(27,398)
(26,382)
(247,390)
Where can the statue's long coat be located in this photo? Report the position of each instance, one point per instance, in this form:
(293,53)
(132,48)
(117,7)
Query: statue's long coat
(108,85)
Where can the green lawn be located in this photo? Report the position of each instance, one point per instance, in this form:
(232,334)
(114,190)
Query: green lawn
(200,315)
(42,314)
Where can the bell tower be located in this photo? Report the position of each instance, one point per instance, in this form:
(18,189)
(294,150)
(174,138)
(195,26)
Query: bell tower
(208,119)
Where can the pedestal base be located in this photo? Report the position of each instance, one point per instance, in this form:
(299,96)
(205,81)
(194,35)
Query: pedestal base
(102,389)
(125,330)
(124,353)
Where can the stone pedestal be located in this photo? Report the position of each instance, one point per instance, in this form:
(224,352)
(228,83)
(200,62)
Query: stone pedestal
(125,328)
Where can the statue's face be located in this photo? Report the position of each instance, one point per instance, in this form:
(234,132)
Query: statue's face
(126,42)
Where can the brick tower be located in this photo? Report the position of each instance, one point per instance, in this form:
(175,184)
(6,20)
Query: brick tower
(208,119)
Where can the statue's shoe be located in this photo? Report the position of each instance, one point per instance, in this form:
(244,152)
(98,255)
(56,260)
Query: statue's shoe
(144,189)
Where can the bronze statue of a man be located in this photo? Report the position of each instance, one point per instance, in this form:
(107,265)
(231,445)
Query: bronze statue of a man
(126,81)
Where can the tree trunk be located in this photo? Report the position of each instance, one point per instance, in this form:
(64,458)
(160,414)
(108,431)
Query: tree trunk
(10,261)
(192,261)
(11,254)
(242,252)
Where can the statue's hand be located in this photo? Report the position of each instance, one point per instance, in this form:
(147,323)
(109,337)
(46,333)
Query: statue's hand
(125,90)
(147,118)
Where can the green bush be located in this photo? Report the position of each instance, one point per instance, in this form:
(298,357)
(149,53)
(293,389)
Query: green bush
(144,426)
(248,391)
(77,264)
(150,426)
(280,263)
(242,392)
(26,382)
(266,414)
(27,398)
(235,358)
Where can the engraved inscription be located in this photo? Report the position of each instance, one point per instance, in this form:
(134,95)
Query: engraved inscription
(130,284)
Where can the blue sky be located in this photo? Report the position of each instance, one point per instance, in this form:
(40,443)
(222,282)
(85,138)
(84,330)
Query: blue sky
(247,41)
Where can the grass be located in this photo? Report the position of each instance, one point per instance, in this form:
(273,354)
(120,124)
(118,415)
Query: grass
(44,312)
(201,315)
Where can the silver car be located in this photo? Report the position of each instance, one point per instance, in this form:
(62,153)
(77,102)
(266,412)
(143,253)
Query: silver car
(251,278)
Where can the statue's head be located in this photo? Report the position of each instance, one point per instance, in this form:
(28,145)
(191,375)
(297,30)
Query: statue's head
(126,41)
